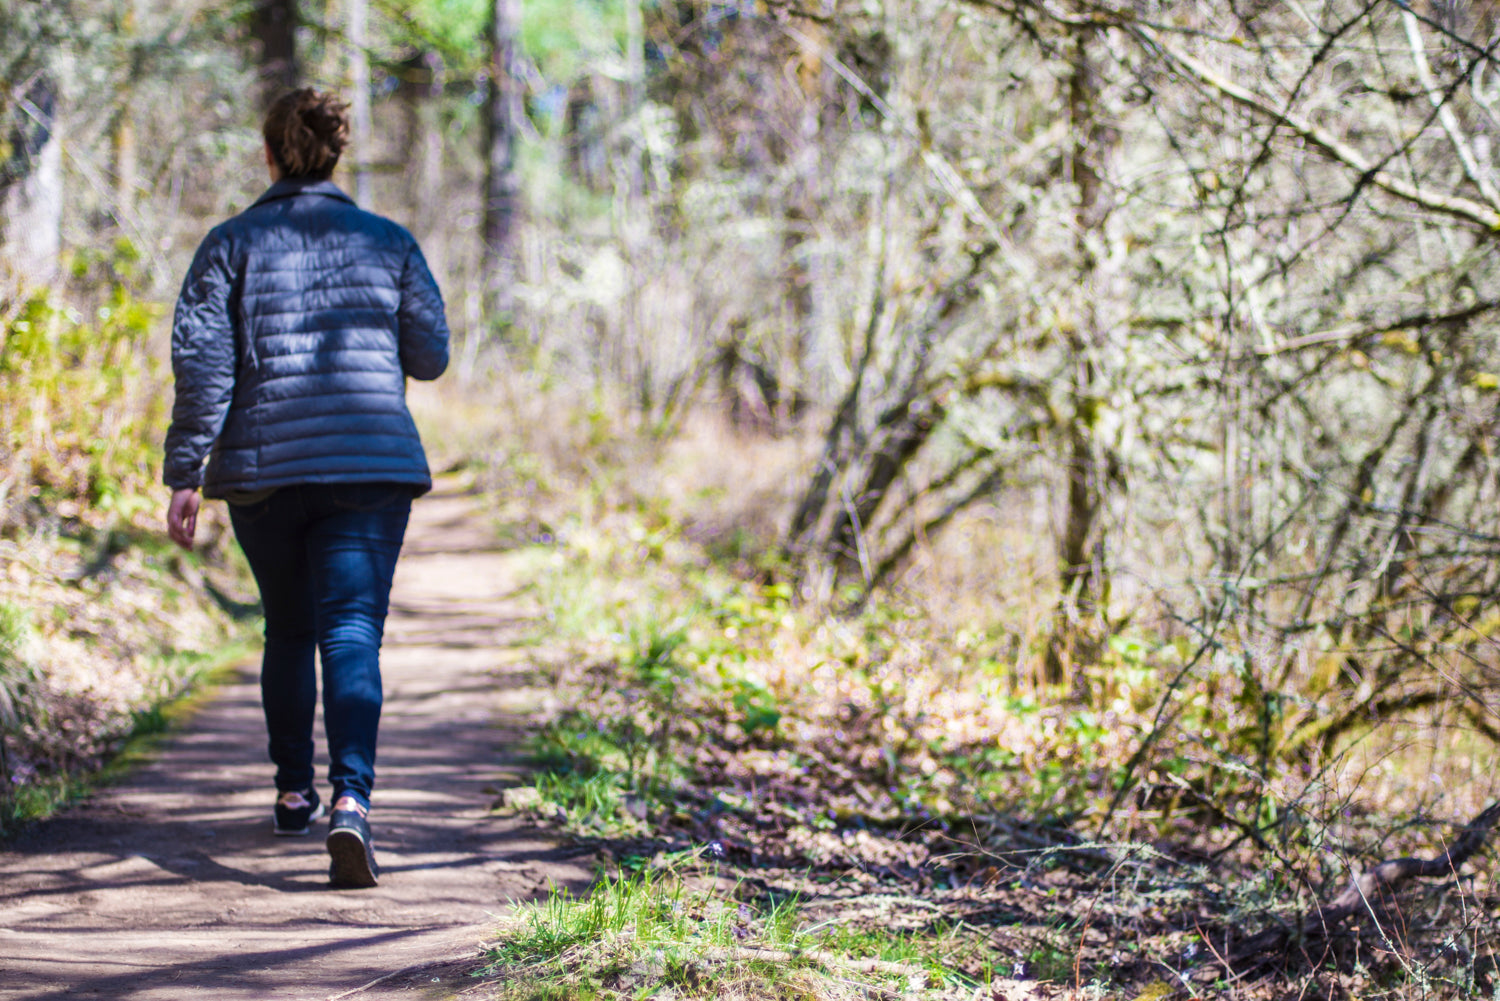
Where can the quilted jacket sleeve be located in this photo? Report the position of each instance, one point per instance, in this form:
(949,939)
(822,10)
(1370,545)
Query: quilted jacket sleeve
(423,324)
(203,361)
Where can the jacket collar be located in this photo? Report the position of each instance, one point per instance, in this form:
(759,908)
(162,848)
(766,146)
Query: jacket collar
(289,187)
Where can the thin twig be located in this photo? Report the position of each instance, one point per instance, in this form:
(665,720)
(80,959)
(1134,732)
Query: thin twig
(1380,880)
(405,969)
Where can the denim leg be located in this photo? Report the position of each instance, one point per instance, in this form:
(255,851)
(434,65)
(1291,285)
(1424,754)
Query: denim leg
(352,553)
(271,538)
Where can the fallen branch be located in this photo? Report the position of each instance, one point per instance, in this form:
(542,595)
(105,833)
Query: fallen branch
(1373,885)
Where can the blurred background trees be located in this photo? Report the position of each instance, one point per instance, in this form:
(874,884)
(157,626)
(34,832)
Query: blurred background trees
(1198,297)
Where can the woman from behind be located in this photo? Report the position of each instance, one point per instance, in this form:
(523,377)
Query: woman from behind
(297,325)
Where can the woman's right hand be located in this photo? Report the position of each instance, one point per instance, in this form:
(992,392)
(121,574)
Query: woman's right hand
(182,516)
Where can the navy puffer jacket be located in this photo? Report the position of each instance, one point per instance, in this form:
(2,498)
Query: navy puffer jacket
(297,326)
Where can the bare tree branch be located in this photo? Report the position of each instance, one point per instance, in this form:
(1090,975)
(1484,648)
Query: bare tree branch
(1451,205)
(1444,109)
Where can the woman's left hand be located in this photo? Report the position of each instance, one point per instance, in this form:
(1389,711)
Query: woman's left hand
(182,516)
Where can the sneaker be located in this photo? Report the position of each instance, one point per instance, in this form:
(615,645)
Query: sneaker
(295,811)
(350,847)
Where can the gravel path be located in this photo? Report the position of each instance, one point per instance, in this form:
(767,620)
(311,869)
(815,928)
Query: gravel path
(170,884)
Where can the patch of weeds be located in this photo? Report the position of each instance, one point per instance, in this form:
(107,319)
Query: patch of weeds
(649,933)
(737,544)
(601,775)
(1045,961)
(148,722)
(39,800)
(755,705)
(654,907)
(589,804)
(572,604)
(17,676)
(601,772)
(653,662)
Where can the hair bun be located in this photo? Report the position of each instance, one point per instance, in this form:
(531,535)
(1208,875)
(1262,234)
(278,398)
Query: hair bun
(307,131)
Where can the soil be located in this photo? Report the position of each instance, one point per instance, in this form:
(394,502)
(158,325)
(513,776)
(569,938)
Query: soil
(169,884)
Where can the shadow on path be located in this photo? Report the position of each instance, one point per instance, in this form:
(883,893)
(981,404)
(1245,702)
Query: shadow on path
(171,885)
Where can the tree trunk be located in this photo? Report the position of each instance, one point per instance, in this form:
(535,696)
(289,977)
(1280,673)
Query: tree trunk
(797,309)
(501,184)
(274,25)
(31,191)
(359,75)
(125,159)
(866,463)
(1080,549)
(421,91)
(900,434)
(585,132)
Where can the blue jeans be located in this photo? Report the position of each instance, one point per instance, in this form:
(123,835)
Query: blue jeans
(323,556)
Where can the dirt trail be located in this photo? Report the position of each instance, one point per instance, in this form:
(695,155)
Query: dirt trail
(170,884)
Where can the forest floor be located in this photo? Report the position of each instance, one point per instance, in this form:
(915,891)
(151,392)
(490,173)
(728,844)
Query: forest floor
(612,769)
(169,884)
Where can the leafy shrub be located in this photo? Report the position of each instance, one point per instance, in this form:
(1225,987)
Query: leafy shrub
(81,407)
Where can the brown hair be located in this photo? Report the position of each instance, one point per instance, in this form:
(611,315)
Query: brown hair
(306,131)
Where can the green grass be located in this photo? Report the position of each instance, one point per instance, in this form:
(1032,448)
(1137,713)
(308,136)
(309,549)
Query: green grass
(656,908)
(593,804)
(39,800)
(916,948)
(605,771)
(649,933)
(603,775)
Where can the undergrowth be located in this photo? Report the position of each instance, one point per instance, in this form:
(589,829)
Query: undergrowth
(102,621)
(903,771)
(655,932)
(125,741)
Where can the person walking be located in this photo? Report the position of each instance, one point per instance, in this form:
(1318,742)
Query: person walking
(297,325)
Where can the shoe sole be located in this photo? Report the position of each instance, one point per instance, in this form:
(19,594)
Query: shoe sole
(287,832)
(351,861)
